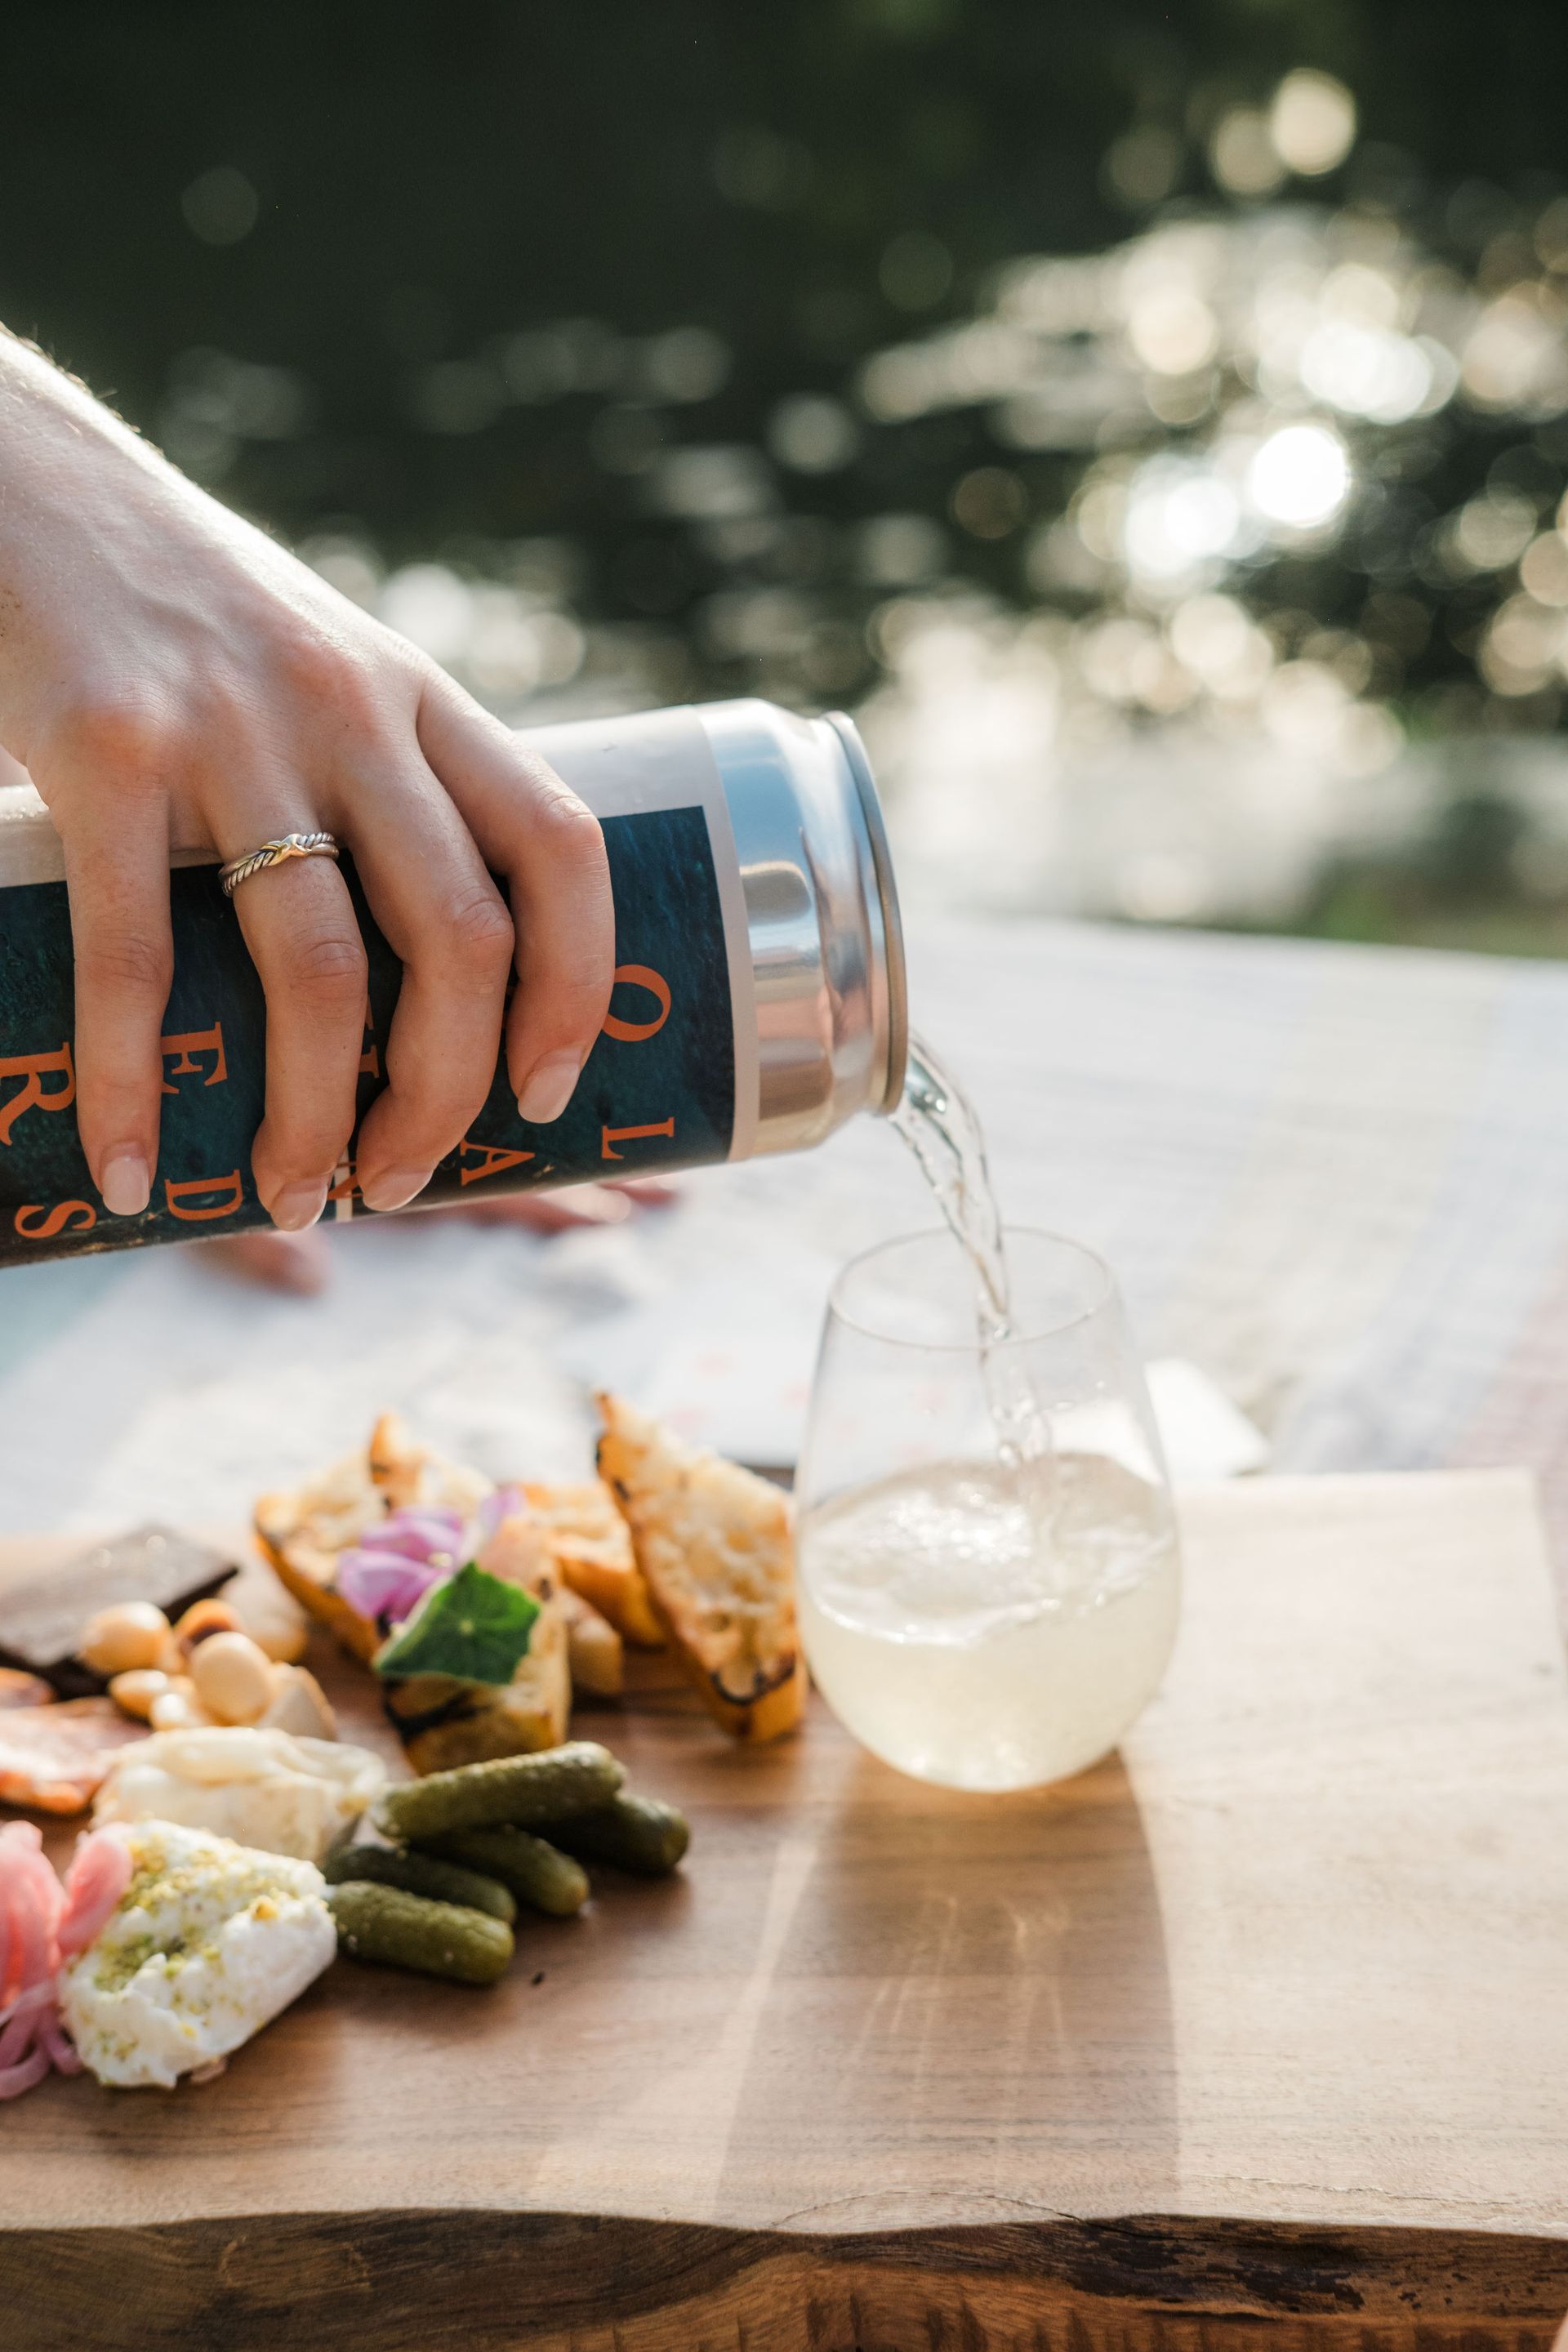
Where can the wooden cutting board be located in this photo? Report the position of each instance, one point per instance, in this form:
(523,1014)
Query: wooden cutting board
(1262,2026)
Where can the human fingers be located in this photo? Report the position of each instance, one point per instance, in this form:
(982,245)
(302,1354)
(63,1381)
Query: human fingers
(298,1263)
(446,920)
(551,1212)
(548,847)
(573,1204)
(299,924)
(116,879)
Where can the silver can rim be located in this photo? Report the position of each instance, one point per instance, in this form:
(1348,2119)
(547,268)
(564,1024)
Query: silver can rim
(848,734)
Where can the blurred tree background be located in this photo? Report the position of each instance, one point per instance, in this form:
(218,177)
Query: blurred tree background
(618,352)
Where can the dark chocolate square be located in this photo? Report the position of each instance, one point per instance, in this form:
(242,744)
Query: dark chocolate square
(42,1620)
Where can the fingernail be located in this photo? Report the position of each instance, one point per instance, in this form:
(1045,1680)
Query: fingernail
(394,1188)
(126,1183)
(595,1204)
(549,1089)
(299,1205)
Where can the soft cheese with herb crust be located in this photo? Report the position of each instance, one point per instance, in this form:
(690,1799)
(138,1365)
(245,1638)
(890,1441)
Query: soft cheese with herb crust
(209,1942)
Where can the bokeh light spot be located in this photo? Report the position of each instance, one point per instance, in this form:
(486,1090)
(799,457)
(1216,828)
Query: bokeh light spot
(427,604)
(1180,518)
(1543,569)
(989,502)
(1242,155)
(900,550)
(686,363)
(1312,122)
(1301,477)
(812,433)
(1144,164)
(1493,531)
(1171,330)
(221,206)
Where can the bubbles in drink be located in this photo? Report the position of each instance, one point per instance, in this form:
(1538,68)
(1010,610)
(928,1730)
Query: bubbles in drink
(998,1623)
(961,1640)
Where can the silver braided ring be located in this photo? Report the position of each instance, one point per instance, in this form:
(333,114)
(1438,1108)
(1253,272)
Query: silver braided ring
(276,853)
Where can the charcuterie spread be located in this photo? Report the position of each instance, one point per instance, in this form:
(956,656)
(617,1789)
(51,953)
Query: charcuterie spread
(238,1845)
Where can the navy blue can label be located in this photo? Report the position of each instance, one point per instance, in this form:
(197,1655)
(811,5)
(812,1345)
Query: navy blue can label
(670,1083)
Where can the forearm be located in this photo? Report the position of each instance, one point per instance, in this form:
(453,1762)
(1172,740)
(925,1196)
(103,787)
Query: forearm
(86,505)
(69,470)
(46,415)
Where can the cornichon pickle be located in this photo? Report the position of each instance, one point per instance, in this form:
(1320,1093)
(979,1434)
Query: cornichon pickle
(420,1873)
(533,1791)
(634,1832)
(535,1872)
(399,1930)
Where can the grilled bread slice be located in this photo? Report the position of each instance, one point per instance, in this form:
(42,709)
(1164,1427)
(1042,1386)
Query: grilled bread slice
(713,1542)
(443,1722)
(519,1552)
(591,1545)
(303,1531)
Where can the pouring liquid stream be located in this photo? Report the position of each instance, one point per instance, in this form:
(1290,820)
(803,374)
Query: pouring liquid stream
(938,1122)
(992,1615)
(988,1617)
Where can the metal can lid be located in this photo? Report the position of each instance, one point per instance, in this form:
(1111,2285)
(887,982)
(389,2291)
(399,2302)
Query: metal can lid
(848,734)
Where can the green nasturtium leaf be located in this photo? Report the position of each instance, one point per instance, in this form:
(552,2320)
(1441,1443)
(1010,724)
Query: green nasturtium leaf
(474,1627)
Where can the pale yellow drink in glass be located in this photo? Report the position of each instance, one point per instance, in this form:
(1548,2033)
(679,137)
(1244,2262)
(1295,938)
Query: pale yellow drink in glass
(963,1638)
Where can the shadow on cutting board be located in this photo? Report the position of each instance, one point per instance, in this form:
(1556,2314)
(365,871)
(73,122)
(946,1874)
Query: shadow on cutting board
(986,1982)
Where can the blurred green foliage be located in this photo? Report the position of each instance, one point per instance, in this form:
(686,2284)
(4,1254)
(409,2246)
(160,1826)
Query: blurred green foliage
(427,273)
(430,174)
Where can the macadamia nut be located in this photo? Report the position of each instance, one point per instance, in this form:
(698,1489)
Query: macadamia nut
(118,1639)
(135,1691)
(234,1678)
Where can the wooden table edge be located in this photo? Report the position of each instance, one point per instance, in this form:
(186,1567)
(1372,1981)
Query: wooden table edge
(495,2281)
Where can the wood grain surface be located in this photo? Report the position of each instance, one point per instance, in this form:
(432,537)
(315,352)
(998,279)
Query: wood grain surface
(1261,2027)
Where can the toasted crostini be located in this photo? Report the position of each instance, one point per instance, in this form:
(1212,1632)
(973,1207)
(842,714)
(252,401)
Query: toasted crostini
(520,1552)
(591,1545)
(714,1546)
(305,1531)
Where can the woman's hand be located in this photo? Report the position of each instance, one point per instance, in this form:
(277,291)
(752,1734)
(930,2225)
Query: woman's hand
(173,679)
(302,1262)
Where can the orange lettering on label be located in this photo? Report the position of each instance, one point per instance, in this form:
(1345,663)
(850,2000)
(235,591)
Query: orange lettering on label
(186,1049)
(65,1217)
(346,1187)
(639,975)
(369,1060)
(492,1158)
(182,1198)
(609,1135)
(33,1069)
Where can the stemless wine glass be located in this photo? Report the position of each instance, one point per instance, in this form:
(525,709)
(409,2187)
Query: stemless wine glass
(973,1619)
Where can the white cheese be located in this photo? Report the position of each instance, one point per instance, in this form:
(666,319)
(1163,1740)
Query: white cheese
(209,1942)
(263,1788)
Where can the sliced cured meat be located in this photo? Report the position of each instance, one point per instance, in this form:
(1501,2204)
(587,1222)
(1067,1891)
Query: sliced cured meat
(17,1689)
(98,1877)
(43,1923)
(54,1757)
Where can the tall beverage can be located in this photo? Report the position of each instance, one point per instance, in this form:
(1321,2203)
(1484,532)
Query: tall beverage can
(759,996)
